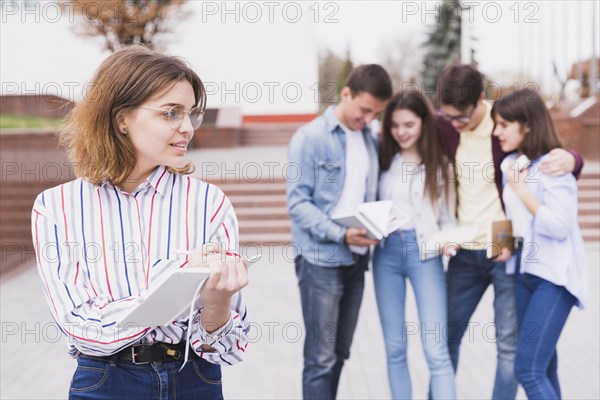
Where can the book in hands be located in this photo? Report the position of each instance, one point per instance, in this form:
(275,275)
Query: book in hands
(168,299)
(499,236)
(379,218)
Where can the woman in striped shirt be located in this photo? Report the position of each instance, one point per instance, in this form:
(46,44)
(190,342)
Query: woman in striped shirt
(104,239)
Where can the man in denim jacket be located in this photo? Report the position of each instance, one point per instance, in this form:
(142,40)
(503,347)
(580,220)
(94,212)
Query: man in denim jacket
(336,156)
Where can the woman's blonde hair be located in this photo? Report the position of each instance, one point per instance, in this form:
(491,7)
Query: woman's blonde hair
(124,81)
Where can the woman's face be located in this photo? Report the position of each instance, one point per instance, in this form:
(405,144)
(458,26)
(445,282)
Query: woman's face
(156,140)
(509,134)
(406,129)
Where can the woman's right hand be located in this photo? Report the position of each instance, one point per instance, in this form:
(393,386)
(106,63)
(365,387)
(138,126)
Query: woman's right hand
(504,255)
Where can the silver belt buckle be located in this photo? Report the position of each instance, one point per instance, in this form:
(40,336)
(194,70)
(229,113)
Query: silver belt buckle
(133,355)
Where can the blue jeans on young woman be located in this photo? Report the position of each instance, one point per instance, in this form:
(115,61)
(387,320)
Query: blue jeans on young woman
(394,263)
(542,309)
(468,277)
(331,298)
(110,378)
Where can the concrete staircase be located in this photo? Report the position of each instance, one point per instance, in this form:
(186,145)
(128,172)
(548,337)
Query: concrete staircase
(589,203)
(261,211)
(268,134)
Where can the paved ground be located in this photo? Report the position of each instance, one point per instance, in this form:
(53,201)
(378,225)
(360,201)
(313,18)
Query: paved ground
(34,364)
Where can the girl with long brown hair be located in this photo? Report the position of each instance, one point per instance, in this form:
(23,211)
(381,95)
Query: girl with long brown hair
(417,177)
(550,262)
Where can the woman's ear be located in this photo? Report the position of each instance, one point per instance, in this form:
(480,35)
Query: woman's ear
(122,122)
(525,129)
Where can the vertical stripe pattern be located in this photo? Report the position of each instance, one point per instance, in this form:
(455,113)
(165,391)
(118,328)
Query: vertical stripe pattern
(98,248)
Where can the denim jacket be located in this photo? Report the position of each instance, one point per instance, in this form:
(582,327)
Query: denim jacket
(317,155)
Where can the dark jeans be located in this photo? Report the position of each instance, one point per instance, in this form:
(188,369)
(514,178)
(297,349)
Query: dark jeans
(331,298)
(469,275)
(99,379)
(542,309)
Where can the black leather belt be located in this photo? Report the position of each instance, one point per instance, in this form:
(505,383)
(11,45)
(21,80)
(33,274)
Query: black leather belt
(158,352)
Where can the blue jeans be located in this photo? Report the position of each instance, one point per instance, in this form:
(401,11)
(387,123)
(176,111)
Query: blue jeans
(392,265)
(98,379)
(542,309)
(331,298)
(469,275)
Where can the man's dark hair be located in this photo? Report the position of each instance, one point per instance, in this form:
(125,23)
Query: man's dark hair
(372,79)
(459,86)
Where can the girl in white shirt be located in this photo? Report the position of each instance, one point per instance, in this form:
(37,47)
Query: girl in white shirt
(551,265)
(416,176)
(109,236)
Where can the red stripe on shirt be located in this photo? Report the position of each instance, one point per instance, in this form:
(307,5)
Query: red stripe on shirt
(150,224)
(218,209)
(227,234)
(62,198)
(137,205)
(111,342)
(104,247)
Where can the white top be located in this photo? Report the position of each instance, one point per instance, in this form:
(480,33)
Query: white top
(395,185)
(355,180)
(521,217)
(428,218)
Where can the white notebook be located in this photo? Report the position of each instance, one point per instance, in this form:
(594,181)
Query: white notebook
(169,299)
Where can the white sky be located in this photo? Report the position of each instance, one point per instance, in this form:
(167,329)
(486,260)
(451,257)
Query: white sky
(262,56)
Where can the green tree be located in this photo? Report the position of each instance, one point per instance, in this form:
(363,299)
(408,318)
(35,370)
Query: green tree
(333,71)
(345,71)
(123,22)
(443,45)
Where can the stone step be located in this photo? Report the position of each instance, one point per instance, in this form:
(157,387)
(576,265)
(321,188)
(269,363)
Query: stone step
(589,197)
(248,188)
(252,213)
(252,200)
(254,134)
(589,208)
(590,235)
(589,221)
(265,226)
(271,239)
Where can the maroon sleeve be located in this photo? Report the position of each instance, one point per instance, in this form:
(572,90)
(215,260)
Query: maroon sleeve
(578,163)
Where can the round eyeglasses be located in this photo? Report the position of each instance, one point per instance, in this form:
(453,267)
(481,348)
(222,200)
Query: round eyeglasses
(462,119)
(177,113)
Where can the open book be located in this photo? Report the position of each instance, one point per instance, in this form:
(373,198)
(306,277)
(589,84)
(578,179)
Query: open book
(169,299)
(499,235)
(379,218)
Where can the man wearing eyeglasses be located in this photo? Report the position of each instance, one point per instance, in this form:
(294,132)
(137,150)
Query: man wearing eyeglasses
(466,122)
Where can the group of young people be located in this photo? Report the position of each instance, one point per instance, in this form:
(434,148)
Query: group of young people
(443,169)
(134,200)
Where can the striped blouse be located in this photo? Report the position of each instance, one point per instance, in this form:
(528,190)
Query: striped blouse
(98,248)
